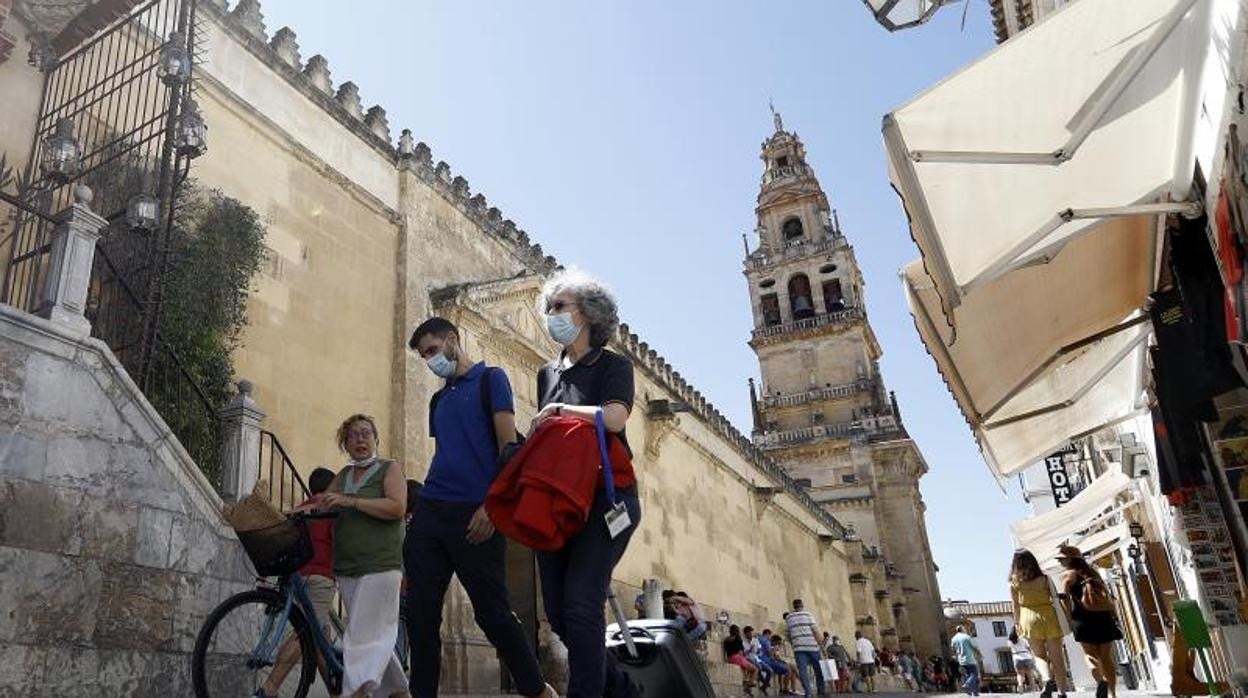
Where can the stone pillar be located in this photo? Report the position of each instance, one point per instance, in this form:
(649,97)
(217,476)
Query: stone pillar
(241,420)
(69,263)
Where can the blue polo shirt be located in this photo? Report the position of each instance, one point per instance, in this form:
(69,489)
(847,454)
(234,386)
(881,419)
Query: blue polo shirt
(464,460)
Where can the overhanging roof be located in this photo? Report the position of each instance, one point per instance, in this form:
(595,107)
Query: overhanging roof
(1084,118)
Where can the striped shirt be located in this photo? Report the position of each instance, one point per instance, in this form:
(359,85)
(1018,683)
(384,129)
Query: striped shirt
(801,627)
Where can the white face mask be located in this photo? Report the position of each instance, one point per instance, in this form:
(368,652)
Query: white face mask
(562,328)
(440,364)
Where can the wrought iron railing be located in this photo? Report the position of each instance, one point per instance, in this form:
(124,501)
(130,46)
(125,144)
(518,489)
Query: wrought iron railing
(114,310)
(110,91)
(286,488)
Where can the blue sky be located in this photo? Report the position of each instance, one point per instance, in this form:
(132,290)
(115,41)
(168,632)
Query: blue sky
(624,137)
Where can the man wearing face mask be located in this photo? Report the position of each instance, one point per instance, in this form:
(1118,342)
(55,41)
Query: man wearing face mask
(471,418)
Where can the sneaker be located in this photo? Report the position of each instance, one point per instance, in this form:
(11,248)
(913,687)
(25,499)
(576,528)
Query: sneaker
(1049,688)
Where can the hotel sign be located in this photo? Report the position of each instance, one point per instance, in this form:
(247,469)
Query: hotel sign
(1059,479)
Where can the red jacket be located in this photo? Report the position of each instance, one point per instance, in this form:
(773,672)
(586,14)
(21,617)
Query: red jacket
(321,531)
(543,496)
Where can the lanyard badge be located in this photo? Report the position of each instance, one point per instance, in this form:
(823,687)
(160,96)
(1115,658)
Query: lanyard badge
(617,517)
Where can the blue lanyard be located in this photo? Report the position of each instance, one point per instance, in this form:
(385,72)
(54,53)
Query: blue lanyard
(607,476)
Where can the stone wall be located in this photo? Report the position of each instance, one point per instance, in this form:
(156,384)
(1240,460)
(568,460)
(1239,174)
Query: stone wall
(112,548)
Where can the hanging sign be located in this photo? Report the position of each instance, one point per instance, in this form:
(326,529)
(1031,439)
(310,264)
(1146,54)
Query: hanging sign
(1059,479)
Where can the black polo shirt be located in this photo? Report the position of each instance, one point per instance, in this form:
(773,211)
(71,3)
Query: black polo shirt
(598,378)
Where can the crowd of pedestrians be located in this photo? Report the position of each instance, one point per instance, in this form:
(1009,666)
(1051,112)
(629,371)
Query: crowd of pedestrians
(392,550)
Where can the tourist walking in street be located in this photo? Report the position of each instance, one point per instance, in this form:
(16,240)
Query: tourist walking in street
(370,496)
(867,666)
(1024,662)
(967,656)
(734,653)
(587,381)
(472,418)
(840,656)
(1093,621)
(804,636)
(1035,619)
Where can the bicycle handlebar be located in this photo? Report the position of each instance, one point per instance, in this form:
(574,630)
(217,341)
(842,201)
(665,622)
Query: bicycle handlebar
(313,515)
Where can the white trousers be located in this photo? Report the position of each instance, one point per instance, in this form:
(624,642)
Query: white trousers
(372,606)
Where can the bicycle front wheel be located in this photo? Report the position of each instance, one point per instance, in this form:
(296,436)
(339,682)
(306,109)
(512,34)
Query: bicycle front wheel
(245,646)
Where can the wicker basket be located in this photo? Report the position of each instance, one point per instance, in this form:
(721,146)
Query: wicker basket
(279,549)
(254,512)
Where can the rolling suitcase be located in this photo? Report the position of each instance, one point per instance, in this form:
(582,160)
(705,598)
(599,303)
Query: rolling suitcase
(661,658)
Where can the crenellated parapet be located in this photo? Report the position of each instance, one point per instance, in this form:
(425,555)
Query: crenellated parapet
(245,22)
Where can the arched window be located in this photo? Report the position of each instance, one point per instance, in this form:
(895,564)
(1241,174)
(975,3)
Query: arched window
(771,309)
(801,302)
(792,229)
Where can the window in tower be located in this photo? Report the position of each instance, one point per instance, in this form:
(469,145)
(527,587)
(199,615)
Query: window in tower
(792,229)
(782,161)
(833,297)
(771,309)
(767,283)
(801,302)
(827,269)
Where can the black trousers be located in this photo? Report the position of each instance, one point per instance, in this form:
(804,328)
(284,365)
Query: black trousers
(575,581)
(434,549)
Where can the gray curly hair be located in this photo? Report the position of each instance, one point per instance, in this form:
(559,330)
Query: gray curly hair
(594,299)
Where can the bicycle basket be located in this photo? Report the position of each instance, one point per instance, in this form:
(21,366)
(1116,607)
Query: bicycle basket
(278,550)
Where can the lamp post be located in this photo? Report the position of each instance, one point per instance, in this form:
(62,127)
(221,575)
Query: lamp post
(904,14)
(143,210)
(175,61)
(190,133)
(61,159)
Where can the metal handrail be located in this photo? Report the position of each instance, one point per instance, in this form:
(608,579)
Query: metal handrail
(288,474)
(821,320)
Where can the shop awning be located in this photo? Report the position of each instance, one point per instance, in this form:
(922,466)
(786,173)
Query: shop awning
(1093,546)
(1047,353)
(1079,520)
(1084,119)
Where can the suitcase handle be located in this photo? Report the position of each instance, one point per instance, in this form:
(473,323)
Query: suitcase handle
(633,632)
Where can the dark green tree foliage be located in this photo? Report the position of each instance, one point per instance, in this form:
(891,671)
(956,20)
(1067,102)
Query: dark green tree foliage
(216,248)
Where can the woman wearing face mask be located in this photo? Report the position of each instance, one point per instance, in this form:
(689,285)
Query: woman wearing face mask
(370,495)
(587,379)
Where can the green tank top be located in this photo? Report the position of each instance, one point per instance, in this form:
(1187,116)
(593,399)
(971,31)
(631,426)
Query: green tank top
(364,544)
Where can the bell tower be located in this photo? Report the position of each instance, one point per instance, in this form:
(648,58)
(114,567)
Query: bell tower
(822,410)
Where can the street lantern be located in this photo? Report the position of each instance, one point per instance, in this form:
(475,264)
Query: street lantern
(1137,530)
(175,61)
(61,158)
(143,210)
(190,132)
(904,14)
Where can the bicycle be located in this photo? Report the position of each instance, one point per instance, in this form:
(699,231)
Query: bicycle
(240,644)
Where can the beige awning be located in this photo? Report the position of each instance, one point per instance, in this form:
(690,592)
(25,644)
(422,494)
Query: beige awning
(1085,118)
(1047,353)
(1081,522)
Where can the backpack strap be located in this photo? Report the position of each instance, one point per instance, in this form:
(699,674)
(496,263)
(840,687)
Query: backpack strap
(433,406)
